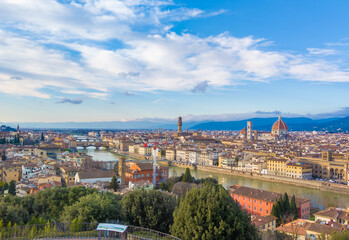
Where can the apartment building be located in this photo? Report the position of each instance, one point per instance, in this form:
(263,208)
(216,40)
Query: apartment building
(260,202)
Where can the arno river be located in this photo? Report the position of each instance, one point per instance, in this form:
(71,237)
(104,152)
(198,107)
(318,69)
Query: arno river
(319,199)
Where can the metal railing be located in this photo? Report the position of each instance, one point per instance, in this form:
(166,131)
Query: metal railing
(79,231)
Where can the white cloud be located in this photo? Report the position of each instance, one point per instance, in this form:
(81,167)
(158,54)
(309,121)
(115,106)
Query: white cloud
(157,59)
(319,51)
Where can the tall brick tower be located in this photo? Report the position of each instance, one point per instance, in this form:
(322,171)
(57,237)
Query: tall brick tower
(179,124)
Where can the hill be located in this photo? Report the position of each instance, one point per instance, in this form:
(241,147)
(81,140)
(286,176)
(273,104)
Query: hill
(294,124)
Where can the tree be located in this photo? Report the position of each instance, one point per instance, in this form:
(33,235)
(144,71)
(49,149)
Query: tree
(114,184)
(209,212)
(5,186)
(286,205)
(150,209)
(96,207)
(293,206)
(340,236)
(187,176)
(12,188)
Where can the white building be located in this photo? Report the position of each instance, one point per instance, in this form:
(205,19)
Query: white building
(95,176)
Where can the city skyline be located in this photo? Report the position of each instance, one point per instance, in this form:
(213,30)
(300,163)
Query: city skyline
(106,60)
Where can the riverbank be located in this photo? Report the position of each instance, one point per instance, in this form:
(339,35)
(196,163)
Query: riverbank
(330,187)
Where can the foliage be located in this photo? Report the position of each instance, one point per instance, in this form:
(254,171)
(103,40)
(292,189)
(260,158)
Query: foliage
(293,206)
(284,211)
(209,212)
(187,176)
(12,188)
(96,207)
(340,236)
(37,209)
(149,209)
(114,184)
(170,183)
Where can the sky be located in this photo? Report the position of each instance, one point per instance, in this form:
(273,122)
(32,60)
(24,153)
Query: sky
(114,60)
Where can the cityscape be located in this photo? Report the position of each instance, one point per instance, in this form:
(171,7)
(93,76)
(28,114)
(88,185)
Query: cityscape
(171,119)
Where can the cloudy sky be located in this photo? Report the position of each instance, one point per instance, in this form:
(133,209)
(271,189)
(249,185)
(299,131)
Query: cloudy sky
(105,60)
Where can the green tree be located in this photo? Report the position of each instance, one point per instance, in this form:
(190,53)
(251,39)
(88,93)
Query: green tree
(277,212)
(209,212)
(187,176)
(150,209)
(12,188)
(163,186)
(96,207)
(293,206)
(114,184)
(5,186)
(340,236)
(286,205)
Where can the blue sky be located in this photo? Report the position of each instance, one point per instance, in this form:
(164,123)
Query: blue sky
(107,60)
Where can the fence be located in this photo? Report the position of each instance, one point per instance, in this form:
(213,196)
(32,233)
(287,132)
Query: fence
(79,231)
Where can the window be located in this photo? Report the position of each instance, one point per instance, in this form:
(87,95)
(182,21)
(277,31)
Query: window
(267,211)
(250,199)
(255,200)
(244,198)
(249,206)
(261,202)
(255,208)
(261,210)
(244,206)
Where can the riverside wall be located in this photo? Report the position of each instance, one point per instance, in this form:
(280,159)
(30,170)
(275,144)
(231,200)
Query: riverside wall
(323,186)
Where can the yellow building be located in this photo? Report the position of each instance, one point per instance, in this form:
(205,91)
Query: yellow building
(299,171)
(52,178)
(277,166)
(281,167)
(68,175)
(11,172)
(329,166)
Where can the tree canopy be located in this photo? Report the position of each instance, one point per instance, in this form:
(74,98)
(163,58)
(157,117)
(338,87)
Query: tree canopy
(187,176)
(96,207)
(209,212)
(149,209)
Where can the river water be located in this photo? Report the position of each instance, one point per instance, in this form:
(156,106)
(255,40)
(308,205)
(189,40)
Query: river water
(319,199)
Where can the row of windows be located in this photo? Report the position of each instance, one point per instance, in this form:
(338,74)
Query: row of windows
(261,202)
(255,208)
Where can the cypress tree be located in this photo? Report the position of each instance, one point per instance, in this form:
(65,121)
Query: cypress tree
(12,188)
(286,203)
(187,176)
(294,210)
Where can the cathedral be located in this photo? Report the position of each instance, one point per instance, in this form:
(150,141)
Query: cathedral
(279,131)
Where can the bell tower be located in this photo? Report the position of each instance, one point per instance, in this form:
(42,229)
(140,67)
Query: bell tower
(179,124)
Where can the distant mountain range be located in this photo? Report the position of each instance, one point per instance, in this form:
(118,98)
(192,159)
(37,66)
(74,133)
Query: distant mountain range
(261,124)
(294,124)
(7,128)
(165,124)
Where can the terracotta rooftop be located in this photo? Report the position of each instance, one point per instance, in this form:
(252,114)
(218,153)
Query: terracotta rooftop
(96,174)
(330,212)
